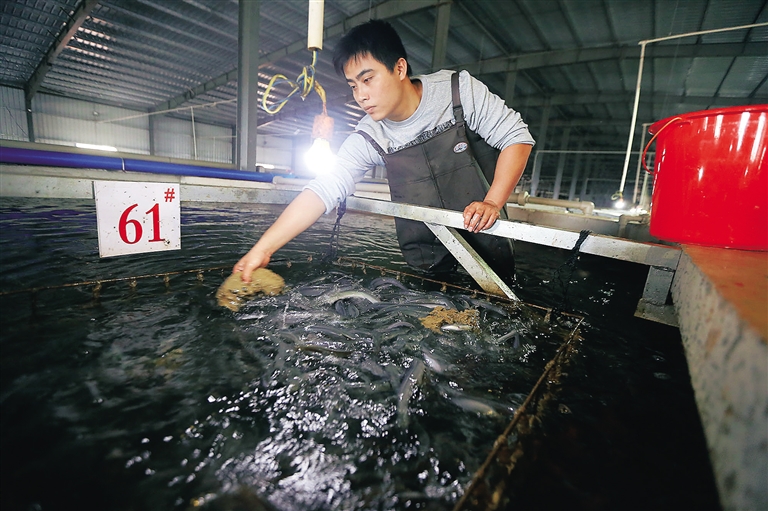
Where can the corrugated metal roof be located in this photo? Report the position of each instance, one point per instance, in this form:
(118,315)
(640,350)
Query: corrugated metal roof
(581,56)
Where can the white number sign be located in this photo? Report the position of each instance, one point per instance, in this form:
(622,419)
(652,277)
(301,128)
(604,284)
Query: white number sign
(137,217)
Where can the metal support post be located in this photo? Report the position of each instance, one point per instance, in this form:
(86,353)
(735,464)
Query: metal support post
(30,119)
(575,175)
(653,303)
(585,179)
(561,163)
(248,94)
(541,140)
(509,88)
(151,130)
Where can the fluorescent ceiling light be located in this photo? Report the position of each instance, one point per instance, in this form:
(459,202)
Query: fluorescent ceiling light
(96,147)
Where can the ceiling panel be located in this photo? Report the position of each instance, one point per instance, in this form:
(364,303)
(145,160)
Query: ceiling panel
(590,22)
(706,75)
(676,17)
(744,77)
(728,13)
(582,55)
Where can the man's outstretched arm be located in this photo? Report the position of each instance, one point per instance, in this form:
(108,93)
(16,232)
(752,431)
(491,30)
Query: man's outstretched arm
(301,213)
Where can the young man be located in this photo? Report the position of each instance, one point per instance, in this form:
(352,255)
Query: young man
(429,132)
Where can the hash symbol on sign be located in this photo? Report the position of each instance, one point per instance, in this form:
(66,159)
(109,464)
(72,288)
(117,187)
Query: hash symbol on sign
(170,193)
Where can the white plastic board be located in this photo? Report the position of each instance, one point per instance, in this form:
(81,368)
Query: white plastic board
(137,217)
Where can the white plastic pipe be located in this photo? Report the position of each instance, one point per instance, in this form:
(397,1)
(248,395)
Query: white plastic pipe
(315,25)
(194,135)
(634,117)
(639,161)
(521,199)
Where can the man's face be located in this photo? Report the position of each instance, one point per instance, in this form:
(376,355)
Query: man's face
(377,90)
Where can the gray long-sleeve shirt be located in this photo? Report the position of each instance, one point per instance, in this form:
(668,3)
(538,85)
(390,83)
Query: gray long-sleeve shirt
(485,113)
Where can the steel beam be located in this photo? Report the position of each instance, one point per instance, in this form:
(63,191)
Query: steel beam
(62,40)
(442,24)
(580,55)
(607,97)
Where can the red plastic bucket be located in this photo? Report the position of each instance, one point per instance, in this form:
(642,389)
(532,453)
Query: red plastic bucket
(710,181)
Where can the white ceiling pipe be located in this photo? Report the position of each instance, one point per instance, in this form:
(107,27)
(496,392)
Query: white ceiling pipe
(639,161)
(178,109)
(640,77)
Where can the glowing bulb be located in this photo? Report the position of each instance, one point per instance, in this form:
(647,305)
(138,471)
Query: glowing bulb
(319,158)
(618,200)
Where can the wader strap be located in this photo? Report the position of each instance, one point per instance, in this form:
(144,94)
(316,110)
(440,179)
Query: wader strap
(373,143)
(458,110)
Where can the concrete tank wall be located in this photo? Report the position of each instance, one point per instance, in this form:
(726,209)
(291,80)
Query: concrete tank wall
(720,299)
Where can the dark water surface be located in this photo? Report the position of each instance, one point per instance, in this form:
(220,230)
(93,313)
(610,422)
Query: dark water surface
(156,398)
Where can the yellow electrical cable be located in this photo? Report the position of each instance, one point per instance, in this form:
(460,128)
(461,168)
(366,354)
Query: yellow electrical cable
(321,92)
(305,83)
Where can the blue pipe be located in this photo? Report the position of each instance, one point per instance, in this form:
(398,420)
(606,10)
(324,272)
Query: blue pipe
(87,161)
(58,159)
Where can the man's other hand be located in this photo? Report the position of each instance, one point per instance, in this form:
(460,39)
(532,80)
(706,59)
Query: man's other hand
(479,216)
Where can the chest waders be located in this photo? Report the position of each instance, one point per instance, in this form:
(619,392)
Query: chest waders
(445,172)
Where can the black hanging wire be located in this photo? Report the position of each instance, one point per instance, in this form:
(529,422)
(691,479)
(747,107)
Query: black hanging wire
(333,246)
(565,271)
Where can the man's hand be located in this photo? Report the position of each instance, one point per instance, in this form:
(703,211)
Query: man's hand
(479,216)
(255,258)
(302,212)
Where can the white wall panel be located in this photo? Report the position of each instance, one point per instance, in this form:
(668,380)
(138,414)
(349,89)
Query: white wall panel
(13,118)
(214,143)
(68,121)
(173,138)
(274,150)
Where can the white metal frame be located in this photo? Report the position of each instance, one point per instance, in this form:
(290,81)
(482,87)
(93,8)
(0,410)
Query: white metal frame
(662,260)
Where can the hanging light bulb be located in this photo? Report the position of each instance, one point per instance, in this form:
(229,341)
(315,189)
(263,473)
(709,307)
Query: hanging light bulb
(319,158)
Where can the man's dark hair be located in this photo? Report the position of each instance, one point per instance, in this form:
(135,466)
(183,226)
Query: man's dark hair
(377,38)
